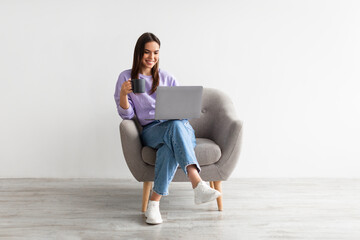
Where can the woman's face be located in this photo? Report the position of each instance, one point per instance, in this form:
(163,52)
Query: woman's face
(151,55)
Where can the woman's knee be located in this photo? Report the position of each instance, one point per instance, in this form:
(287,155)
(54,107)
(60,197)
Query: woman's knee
(177,124)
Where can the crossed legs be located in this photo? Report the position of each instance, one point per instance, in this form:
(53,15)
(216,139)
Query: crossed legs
(194,178)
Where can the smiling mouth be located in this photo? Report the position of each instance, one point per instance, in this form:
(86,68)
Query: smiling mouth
(149,62)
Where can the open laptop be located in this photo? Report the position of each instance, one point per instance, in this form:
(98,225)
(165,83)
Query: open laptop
(179,102)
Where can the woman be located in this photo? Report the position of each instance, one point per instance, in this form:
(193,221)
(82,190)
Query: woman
(173,139)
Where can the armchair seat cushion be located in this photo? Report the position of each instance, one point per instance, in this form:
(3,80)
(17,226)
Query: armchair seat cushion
(207,152)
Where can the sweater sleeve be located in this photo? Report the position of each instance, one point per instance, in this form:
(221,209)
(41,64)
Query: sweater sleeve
(173,82)
(124,113)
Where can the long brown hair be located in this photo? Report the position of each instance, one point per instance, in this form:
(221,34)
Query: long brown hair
(138,55)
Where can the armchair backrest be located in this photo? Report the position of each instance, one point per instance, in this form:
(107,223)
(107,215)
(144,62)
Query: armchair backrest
(214,104)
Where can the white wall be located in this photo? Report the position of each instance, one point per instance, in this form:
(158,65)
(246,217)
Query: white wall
(290,67)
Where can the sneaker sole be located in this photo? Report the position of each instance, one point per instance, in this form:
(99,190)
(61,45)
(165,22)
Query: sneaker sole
(152,222)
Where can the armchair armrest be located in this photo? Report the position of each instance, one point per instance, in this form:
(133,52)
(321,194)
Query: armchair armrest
(227,133)
(131,145)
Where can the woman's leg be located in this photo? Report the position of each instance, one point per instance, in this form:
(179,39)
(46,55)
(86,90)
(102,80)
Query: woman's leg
(194,176)
(153,137)
(165,168)
(175,141)
(155,196)
(180,138)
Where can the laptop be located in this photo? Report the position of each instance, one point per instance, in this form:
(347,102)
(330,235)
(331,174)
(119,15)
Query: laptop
(179,102)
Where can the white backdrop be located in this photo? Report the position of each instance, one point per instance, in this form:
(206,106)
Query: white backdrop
(290,67)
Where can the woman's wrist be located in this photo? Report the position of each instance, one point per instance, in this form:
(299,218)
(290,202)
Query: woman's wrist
(122,93)
(124,103)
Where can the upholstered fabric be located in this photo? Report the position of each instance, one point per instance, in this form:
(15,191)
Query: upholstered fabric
(207,152)
(218,133)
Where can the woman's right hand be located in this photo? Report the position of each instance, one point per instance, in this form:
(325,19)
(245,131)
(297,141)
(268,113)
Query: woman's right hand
(126,87)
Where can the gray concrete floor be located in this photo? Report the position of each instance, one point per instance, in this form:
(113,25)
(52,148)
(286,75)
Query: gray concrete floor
(110,209)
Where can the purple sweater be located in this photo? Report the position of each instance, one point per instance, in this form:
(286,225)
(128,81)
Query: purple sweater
(141,104)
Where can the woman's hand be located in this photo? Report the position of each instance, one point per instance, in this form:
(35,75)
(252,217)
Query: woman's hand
(125,90)
(126,87)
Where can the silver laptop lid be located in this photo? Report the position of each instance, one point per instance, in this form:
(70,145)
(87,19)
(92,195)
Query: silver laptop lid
(178,102)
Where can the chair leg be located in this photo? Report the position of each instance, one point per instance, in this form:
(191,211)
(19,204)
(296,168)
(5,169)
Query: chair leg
(146,195)
(217,185)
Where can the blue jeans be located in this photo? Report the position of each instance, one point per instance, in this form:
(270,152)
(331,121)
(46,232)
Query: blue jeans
(175,143)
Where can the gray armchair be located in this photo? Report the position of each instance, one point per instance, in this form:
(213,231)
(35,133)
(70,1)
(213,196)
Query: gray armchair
(218,136)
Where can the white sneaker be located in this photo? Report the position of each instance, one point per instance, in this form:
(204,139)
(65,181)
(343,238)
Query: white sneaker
(152,213)
(204,193)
